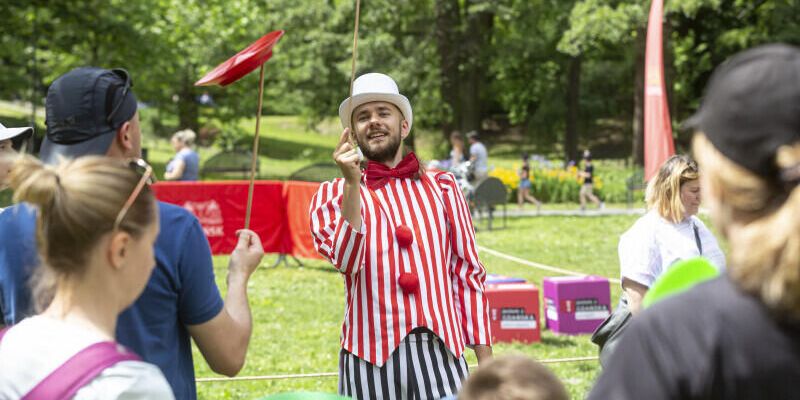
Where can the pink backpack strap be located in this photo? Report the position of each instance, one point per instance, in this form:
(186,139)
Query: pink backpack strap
(79,370)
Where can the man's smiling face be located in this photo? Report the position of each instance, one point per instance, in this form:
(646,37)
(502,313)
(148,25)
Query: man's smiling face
(379,129)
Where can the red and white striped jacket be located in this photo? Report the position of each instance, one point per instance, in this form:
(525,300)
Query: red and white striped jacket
(378,314)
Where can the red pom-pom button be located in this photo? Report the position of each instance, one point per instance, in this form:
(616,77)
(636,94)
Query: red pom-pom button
(409,282)
(404,236)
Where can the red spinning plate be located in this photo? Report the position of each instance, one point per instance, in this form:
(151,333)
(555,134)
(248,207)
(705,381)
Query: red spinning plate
(243,62)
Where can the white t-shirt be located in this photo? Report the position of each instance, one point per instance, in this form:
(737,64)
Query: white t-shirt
(653,244)
(35,347)
(481,163)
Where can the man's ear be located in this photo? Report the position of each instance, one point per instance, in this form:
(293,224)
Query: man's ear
(124,137)
(404,129)
(118,249)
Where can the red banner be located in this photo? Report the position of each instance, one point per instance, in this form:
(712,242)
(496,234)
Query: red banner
(220,207)
(658,144)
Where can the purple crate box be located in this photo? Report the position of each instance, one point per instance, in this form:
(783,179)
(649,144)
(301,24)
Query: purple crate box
(575,305)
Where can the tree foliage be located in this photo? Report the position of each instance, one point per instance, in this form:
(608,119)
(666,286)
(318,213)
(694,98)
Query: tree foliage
(531,69)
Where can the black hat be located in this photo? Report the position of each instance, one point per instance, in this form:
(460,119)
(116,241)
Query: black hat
(85,107)
(752,107)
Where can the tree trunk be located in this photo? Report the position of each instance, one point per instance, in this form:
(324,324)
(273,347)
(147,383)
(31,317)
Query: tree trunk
(447,43)
(477,39)
(638,98)
(187,106)
(572,99)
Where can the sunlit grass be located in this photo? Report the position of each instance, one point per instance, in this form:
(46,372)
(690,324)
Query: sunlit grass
(298,311)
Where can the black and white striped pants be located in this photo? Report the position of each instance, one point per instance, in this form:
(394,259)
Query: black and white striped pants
(421,368)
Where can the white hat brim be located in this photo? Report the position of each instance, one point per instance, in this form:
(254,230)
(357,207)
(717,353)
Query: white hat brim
(348,105)
(10,133)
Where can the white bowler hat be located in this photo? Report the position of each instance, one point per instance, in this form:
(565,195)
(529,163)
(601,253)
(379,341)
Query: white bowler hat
(374,87)
(10,133)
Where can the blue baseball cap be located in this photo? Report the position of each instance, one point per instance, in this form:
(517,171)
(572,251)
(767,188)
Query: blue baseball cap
(84,109)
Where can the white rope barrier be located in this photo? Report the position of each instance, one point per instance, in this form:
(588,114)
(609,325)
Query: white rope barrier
(480,248)
(537,265)
(336,374)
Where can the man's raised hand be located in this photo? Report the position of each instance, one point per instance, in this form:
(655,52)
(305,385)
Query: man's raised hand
(348,159)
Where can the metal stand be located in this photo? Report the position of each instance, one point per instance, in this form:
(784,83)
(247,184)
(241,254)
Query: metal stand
(282,258)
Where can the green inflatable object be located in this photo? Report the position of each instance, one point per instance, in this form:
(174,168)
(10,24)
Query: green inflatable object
(679,278)
(304,396)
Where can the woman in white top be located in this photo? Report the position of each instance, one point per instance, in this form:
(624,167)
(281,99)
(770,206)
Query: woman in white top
(98,221)
(668,233)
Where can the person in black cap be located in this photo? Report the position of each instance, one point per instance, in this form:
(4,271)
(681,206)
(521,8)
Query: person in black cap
(737,336)
(93,111)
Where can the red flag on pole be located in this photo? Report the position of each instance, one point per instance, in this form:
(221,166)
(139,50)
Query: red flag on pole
(658,145)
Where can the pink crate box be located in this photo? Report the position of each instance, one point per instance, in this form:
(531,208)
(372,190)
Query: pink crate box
(576,305)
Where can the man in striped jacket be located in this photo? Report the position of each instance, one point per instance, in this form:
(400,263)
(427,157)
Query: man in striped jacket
(404,242)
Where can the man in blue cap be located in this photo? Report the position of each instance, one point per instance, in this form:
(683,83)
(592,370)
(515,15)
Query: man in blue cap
(93,111)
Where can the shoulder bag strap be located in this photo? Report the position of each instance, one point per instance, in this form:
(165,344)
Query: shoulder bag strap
(79,370)
(697,239)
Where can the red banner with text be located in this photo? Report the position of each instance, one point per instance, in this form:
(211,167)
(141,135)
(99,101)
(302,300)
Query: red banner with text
(220,207)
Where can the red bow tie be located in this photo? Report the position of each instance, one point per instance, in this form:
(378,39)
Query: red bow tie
(378,174)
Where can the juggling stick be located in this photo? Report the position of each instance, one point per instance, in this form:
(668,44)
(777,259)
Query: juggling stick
(353,73)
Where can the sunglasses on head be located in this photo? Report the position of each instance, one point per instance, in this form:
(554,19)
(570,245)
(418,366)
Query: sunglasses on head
(112,89)
(146,172)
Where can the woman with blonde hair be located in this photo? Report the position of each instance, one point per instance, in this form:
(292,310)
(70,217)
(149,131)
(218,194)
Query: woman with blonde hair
(185,166)
(668,233)
(97,222)
(736,336)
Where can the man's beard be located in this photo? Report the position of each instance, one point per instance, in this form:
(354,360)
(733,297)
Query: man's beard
(386,153)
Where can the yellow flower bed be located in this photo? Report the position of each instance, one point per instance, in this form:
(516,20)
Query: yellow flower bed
(550,185)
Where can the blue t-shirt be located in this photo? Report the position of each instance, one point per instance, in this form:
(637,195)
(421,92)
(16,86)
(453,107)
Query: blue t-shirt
(181,291)
(191,164)
(18,258)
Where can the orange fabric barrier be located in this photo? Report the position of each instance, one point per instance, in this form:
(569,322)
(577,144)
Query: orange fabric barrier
(297,197)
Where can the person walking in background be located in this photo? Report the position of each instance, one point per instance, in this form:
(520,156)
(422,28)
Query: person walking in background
(588,182)
(523,191)
(97,253)
(479,157)
(181,301)
(404,242)
(736,336)
(185,165)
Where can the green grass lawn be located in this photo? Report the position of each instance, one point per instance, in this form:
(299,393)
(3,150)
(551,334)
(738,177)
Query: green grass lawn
(298,311)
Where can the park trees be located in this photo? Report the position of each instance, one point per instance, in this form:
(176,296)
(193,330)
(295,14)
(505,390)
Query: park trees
(554,74)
